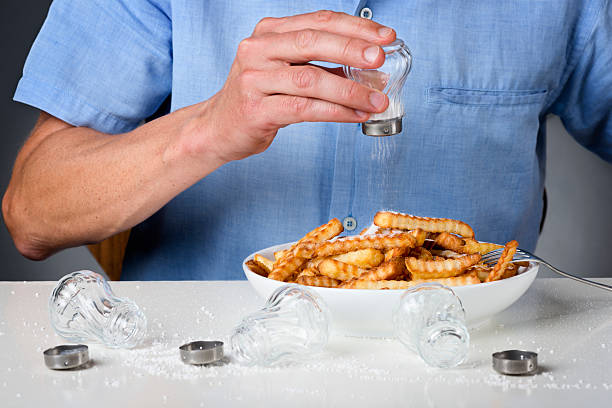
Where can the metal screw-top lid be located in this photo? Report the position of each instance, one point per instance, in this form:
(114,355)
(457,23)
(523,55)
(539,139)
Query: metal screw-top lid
(201,352)
(66,356)
(386,127)
(515,362)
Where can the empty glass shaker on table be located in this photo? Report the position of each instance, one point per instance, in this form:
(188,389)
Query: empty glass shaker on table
(291,327)
(83,308)
(430,321)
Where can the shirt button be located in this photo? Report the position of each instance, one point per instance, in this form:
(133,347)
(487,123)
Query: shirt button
(366,13)
(349,223)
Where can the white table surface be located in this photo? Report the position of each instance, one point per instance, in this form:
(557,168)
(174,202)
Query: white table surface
(568,324)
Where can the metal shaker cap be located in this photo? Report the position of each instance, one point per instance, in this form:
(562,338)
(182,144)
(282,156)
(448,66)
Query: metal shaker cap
(201,352)
(66,356)
(515,362)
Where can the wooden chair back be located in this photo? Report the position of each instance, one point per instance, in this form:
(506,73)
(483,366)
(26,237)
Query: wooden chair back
(110,252)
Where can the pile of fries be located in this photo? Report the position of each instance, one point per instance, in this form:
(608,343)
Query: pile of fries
(397,252)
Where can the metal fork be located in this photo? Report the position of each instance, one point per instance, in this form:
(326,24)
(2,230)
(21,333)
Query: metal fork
(491,258)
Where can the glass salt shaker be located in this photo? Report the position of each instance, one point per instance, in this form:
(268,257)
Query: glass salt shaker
(83,308)
(291,327)
(389,79)
(430,321)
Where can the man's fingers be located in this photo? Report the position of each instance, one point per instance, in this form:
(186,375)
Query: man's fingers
(313,82)
(334,22)
(310,45)
(283,110)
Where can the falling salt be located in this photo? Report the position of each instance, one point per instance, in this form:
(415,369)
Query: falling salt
(36,294)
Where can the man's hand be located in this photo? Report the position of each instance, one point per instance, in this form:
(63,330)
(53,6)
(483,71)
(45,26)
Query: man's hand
(271,84)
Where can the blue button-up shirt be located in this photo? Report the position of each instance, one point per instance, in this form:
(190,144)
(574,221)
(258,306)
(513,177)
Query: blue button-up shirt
(485,75)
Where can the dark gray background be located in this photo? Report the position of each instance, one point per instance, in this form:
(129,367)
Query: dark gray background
(576,236)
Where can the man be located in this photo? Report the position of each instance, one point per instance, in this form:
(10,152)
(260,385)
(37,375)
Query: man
(210,182)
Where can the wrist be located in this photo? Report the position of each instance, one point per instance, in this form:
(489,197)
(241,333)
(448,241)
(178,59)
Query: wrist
(196,138)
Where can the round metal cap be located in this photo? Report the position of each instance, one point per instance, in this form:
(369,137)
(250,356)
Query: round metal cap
(66,356)
(382,127)
(201,352)
(515,362)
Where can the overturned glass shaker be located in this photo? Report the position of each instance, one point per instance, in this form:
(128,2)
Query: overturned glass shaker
(83,308)
(389,79)
(430,321)
(291,327)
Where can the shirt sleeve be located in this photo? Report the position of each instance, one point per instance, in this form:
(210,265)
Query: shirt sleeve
(585,104)
(104,64)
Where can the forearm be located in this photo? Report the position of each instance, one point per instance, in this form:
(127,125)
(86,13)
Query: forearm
(80,186)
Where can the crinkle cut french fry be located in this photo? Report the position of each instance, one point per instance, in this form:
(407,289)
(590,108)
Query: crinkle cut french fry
(449,241)
(481,270)
(286,268)
(464,246)
(395,252)
(314,263)
(284,253)
(318,280)
(386,219)
(308,272)
(472,246)
(363,258)
(387,270)
(354,243)
(421,253)
(445,253)
(339,270)
(420,236)
(440,268)
(306,246)
(462,280)
(279,255)
(255,267)
(264,262)
(510,271)
(381,284)
(502,263)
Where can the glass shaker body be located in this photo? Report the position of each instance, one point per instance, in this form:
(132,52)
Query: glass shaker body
(83,308)
(389,79)
(430,321)
(292,325)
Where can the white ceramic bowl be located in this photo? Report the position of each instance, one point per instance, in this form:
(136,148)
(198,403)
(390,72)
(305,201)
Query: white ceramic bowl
(363,312)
